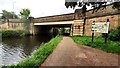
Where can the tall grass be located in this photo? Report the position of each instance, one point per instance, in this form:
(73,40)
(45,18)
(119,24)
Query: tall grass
(38,57)
(110,46)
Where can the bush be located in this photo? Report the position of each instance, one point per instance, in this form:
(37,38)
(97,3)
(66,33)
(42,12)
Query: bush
(114,34)
(12,33)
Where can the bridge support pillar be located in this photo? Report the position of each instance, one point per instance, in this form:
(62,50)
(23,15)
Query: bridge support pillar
(7,23)
(71,30)
(77,28)
(32,27)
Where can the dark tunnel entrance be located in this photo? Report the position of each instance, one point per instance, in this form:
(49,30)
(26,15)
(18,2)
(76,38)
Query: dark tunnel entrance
(53,29)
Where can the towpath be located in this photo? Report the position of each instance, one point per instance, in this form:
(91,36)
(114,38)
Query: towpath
(68,53)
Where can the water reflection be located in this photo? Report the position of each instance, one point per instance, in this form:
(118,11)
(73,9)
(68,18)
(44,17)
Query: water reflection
(12,50)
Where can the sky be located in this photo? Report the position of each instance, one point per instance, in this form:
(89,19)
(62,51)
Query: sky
(38,8)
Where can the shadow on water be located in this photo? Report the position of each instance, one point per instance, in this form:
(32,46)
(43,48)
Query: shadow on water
(12,50)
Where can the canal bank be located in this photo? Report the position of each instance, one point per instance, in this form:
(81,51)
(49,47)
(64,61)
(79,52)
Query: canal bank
(17,45)
(66,50)
(39,55)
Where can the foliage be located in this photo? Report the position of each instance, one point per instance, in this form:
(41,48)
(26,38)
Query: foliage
(55,31)
(116,5)
(25,14)
(26,24)
(110,46)
(12,33)
(38,57)
(8,15)
(114,34)
(62,30)
(84,5)
(95,5)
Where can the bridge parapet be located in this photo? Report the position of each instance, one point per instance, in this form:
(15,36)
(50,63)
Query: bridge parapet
(64,17)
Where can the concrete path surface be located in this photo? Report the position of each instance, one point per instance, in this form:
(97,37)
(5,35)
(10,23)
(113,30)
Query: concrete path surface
(68,53)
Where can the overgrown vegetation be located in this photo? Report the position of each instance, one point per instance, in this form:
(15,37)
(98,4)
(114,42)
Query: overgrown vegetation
(114,34)
(12,33)
(110,46)
(8,15)
(39,55)
(25,14)
(95,5)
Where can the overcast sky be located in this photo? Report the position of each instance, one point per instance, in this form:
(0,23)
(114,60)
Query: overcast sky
(38,8)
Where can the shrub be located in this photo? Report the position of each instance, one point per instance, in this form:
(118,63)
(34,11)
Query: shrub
(12,33)
(113,34)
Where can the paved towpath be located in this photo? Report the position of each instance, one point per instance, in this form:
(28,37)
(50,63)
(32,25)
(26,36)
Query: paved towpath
(68,53)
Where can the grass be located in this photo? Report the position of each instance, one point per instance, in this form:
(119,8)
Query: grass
(38,57)
(110,46)
(12,33)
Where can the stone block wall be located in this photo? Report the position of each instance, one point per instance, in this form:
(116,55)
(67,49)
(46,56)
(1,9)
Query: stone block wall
(18,26)
(100,16)
(12,24)
(4,26)
(77,27)
(113,19)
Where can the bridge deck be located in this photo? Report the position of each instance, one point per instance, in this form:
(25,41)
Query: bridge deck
(55,23)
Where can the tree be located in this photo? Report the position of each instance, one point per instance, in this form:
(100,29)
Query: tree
(8,15)
(96,5)
(25,14)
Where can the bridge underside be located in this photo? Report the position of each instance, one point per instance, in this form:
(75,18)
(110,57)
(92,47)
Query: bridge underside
(76,27)
(54,26)
(46,29)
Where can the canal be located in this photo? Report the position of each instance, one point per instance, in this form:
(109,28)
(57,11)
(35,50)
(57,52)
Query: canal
(13,50)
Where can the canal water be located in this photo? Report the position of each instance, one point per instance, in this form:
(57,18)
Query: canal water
(13,50)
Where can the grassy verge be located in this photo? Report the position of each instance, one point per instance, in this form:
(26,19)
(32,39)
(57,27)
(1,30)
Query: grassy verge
(12,33)
(110,46)
(38,57)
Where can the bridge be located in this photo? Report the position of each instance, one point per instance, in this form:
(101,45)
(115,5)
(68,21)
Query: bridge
(77,22)
(58,21)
